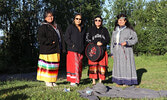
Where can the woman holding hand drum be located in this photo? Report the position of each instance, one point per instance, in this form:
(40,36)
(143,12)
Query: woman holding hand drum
(99,36)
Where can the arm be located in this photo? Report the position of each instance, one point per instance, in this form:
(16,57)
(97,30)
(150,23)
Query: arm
(67,36)
(112,44)
(62,39)
(88,37)
(107,37)
(42,36)
(132,39)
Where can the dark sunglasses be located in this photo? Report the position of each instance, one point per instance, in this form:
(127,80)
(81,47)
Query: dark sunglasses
(97,20)
(78,19)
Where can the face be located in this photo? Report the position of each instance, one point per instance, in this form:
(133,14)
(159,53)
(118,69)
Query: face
(98,22)
(77,20)
(121,22)
(49,18)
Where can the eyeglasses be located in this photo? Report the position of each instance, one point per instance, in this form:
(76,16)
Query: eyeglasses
(97,20)
(78,19)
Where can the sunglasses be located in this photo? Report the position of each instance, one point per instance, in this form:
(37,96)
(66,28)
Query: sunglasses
(78,19)
(97,20)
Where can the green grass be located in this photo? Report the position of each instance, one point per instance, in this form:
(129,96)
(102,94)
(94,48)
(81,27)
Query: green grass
(152,72)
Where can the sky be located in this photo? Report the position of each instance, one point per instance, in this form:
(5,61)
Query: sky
(1,33)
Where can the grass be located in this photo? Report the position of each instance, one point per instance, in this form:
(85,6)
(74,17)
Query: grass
(151,70)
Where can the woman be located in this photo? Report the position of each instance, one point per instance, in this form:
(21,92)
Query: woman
(123,38)
(74,38)
(51,43)
(98,35)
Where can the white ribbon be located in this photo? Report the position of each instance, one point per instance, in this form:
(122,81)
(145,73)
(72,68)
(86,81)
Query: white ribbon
(118,34)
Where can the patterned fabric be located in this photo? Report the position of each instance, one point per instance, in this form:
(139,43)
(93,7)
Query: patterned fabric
(98,69)
(74,67)
(48,65)
(124,69)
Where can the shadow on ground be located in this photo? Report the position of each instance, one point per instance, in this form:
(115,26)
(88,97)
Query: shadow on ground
(15,96)
(140,73)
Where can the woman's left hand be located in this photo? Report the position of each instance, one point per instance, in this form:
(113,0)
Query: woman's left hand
(124,43)
(99,43)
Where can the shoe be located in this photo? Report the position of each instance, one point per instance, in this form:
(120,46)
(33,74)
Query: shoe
(49,84)
(54,84)
(73,84)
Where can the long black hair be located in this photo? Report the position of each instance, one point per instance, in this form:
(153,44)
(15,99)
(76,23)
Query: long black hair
(128,25)
(98,16)
(49,11)
(75,17)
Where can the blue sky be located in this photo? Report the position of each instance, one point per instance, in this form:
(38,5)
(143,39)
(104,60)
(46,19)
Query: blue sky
(1,33)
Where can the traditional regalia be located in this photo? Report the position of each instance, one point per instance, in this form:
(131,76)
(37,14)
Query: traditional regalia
(97,69)
(75,46)
(49,53)
(124,69)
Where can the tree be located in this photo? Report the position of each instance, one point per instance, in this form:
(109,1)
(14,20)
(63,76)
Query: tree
(148,20)
(20,20)
(66,9)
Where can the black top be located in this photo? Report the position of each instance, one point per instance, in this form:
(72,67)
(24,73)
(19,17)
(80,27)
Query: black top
(74,39)
(94,35)
(46,36)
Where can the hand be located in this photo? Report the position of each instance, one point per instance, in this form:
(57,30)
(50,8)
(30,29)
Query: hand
(112,57)
(73,46)
(99,43)
(124,43)
(53,42)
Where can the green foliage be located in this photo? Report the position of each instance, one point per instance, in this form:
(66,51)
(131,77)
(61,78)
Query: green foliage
(148,20)
(151,28)
(66,9)
(20,21)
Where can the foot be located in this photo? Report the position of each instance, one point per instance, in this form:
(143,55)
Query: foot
(54,84)
(49,84)
(100,81)
(94,82)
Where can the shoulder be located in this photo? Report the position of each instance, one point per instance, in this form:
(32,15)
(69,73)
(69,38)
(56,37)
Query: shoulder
(42,27)
(129,29)
(92,28)
(58,27)
(104,28)
(71,26)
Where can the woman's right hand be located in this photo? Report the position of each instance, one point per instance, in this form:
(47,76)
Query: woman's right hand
(112,57)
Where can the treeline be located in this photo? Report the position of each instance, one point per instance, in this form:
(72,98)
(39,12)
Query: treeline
(20,20)
(148,19)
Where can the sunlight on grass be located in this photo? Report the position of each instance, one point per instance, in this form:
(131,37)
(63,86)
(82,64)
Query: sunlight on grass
(151,70)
